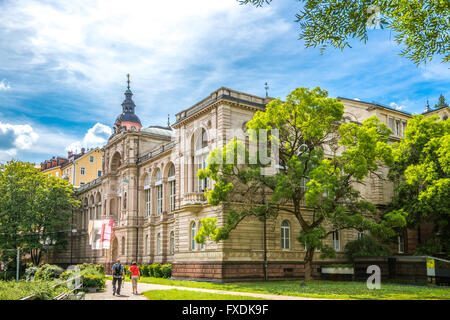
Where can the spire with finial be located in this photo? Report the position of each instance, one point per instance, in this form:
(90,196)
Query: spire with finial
(427,108)
(168,120)
(128,118)
(266,86)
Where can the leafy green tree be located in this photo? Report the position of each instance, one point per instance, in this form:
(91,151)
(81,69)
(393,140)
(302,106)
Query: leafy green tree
(35,210)
(366,246)
(321,160)
(441,103)
(421,175)
(421,27)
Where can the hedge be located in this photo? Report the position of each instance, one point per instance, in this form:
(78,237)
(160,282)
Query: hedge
(94,281)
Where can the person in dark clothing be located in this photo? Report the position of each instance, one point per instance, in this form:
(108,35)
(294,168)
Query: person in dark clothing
(118,273)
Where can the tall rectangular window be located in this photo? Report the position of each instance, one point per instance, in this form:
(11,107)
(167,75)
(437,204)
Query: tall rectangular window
(202,183)
(397,127)
(159,199)
(172,195)
(99,173)
(336,242)
(82,171)
(147,202)
(401,244)
(391,124)
(91,159)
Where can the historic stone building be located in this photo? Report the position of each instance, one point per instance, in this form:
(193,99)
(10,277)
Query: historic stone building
(150,188)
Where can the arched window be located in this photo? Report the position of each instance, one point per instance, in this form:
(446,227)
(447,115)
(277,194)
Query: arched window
(158,243)
(201,152)
(123,245)
(115,162)
(285,235)
(172,242)
(336,241)
(148,195)
(171,179)
(159,192)
(193,233)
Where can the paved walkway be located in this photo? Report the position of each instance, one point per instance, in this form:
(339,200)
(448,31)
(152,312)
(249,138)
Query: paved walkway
(126,292)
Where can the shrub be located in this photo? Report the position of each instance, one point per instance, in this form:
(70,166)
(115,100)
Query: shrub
(144,270)
(92,268)
(166,270)
(30,272)
(7,275)
(127,270)
(367,246)
(47,272)
(94,281)
(155,270)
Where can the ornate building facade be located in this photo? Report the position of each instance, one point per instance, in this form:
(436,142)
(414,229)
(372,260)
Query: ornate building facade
(150,189)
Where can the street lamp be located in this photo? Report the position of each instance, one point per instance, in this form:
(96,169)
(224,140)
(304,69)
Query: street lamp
(47,244)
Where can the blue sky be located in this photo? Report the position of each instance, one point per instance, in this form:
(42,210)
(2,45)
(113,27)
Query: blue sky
(63,65)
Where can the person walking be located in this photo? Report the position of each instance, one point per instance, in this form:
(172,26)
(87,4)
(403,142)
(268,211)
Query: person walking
(135,276)
(118,273)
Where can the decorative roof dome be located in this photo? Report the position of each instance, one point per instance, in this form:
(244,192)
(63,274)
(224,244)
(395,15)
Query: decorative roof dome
(162,131)
(128,118)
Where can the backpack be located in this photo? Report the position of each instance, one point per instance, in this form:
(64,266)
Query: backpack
(117,269)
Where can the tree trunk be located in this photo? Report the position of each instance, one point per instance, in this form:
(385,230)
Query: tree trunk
(308,264)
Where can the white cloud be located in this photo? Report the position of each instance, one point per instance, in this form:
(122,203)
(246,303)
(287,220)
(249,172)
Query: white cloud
(97,136)
(91,45)
(396,106)
(15,138)
(4,85)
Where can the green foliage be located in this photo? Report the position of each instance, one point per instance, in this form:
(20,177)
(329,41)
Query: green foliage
(94,281)
(441,103)
(44,290)
(420,27)
(92,268)
(166,270)
(367,246)
(421,175)
(35,210)
(47,272)
(126,268)
(309,123)
(145,270)
(156,270)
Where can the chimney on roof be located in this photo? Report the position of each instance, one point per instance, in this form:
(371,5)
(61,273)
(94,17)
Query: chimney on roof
(83,150)
(69,154)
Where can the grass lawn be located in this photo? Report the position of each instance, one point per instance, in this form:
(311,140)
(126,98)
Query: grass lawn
(175,294)
(320,289)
